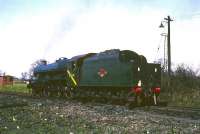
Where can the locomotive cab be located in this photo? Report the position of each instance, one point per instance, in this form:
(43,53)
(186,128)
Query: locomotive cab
(137,63)
(146,76)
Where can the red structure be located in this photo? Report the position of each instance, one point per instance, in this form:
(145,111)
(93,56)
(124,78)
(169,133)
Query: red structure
(6,80)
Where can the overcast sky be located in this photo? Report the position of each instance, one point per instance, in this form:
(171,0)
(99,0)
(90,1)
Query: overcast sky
(36,29)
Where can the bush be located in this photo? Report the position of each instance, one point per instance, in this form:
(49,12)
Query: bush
(182,88)
(184,77)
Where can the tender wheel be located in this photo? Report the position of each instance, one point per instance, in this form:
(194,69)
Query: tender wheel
(67,92)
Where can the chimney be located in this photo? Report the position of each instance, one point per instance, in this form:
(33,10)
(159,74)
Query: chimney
(43,62)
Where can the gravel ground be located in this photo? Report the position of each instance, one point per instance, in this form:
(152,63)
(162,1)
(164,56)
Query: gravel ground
(27,115)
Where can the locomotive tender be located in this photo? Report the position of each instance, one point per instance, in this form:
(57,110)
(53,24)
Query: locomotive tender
(111,74)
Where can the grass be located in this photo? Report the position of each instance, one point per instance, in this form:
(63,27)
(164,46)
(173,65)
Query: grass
(18,87)
(186,97)
(42,120)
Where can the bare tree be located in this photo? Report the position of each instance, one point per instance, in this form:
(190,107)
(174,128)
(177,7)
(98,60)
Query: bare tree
(24,76)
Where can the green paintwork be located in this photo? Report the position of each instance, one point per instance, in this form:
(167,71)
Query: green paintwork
(111,68)
(115,73)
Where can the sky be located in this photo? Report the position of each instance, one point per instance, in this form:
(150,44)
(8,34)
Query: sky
(49,29)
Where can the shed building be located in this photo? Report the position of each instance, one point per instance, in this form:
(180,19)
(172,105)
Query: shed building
(6,80)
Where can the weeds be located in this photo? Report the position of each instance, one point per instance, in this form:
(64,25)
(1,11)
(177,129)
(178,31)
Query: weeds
(183,87)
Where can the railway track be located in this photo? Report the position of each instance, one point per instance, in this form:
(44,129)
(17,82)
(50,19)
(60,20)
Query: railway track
(175,111)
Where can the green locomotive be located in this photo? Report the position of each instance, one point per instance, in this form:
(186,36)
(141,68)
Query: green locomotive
(112,74)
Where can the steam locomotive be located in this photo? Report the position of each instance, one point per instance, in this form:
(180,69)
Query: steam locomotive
(112,74)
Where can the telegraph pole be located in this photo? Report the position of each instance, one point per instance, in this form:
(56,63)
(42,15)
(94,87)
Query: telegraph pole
(168,19)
